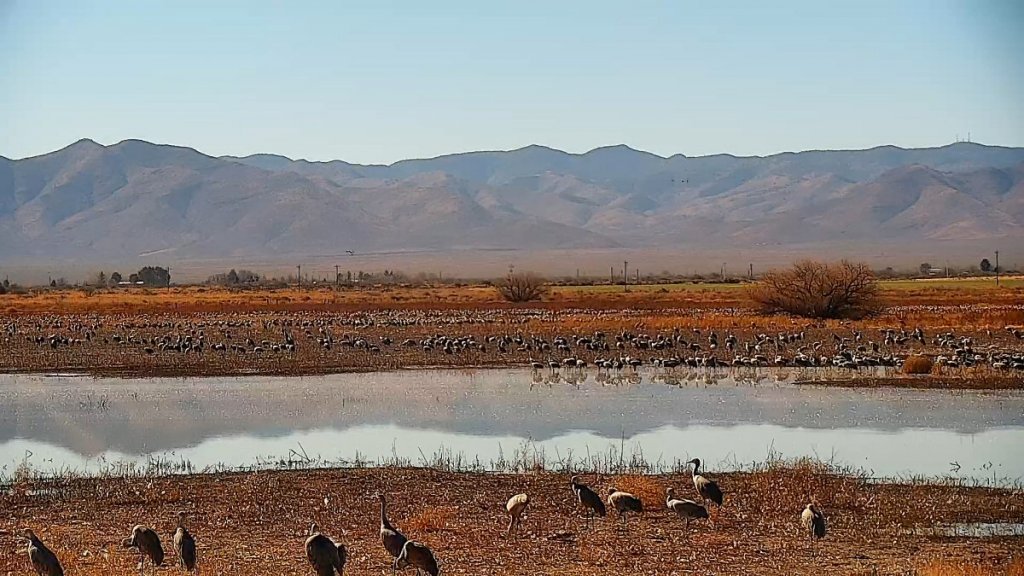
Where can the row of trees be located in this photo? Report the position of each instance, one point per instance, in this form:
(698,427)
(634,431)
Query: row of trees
(234,278)
(926,269)
(148,275)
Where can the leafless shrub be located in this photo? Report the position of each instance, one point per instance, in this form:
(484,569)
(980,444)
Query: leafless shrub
(815,289)
(918,364)
(521,287)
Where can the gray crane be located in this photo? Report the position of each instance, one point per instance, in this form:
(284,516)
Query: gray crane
(685,509)
(185,546)
(324,555)
(813,521)
(418,556)
(43,560)
(624,503)
(587,498)
(148,544)
(391,538)
(706,487)
(515,507)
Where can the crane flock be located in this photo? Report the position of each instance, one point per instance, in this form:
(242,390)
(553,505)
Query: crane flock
(288,342)
(326,557)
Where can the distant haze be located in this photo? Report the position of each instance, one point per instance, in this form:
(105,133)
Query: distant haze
(137,202)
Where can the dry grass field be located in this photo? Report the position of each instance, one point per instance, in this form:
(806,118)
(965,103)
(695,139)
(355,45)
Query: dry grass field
(197,299)
(245,526)
(114,332)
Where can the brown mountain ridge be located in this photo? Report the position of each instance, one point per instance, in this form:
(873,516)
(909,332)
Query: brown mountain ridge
(135,198)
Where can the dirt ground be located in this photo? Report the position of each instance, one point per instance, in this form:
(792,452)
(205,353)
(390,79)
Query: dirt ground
(255,523)
(110,331)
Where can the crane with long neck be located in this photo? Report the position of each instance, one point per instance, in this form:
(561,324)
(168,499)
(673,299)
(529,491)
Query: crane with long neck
(391,538)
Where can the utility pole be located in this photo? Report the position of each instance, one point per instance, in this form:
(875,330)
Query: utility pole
(997,268)
(611,274)
(625,277)
(337,275)
(299,273)
(750,274)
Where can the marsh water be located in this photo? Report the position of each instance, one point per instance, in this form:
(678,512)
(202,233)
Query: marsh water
(487,417)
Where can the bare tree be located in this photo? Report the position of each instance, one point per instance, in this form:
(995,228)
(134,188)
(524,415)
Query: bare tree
(521,287)
(818,290)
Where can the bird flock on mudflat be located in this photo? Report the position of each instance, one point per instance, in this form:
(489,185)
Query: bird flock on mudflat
(409,338)
(327,557)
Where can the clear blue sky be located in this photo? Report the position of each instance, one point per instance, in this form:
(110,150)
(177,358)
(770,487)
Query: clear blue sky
(378,81)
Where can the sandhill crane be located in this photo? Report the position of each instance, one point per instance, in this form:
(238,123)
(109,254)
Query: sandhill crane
(587,498)
(184,546)
(685,509)
(624,503)
(43,560)
(707,488)
(392,539)
(148,544)
(418,556)
(323,554)
(516,506)
(813,521)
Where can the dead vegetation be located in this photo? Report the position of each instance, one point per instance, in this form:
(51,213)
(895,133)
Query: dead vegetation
(1013,567)
(255,523)
(814,289)
(521,287)
(918,364)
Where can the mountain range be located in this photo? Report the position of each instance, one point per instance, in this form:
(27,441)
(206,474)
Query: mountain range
(136,200)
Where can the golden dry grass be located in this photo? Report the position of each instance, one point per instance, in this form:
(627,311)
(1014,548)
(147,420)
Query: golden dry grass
(646,488)
(1014,567)
(435,519)
(201,299)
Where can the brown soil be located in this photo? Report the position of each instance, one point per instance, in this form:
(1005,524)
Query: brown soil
(254,523)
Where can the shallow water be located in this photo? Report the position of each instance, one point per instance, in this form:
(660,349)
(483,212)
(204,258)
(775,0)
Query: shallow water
(86,424)
(972,530)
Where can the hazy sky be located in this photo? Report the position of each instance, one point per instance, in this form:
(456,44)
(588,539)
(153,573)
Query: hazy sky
(378,81)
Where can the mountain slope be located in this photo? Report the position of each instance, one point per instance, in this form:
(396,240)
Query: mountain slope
(134,198)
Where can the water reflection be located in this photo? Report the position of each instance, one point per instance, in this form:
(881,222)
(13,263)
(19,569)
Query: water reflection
(727,419)
(972,530)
